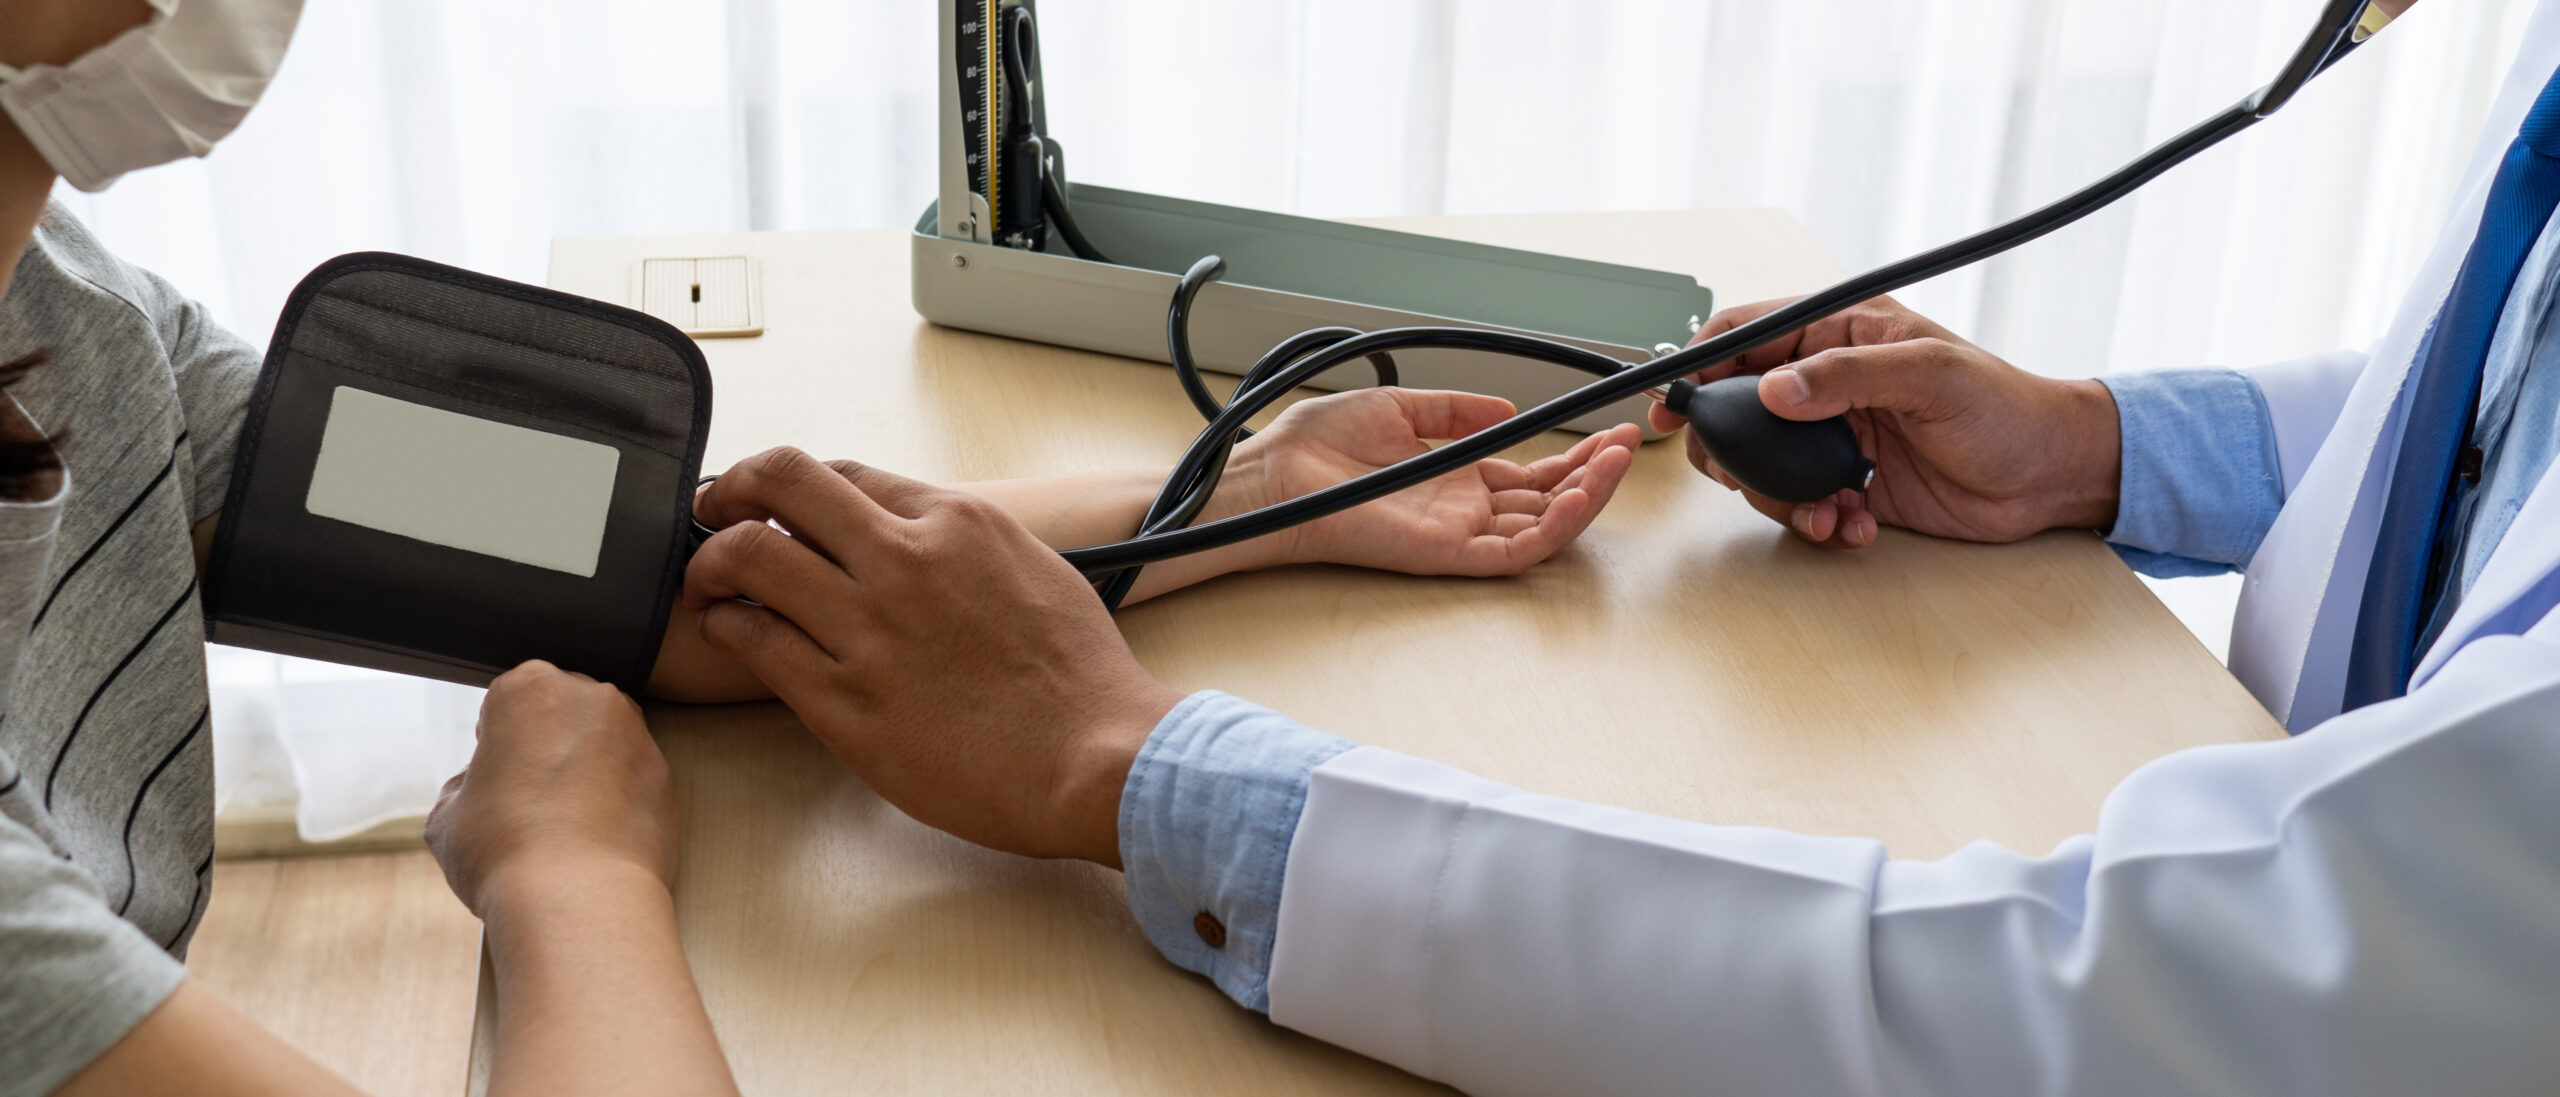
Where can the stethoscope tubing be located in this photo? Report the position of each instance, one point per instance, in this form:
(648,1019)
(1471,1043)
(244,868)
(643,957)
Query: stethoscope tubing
(2332,40)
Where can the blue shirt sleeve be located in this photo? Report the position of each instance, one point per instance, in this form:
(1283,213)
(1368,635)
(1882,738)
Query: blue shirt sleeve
(2202,480)
(1205,825)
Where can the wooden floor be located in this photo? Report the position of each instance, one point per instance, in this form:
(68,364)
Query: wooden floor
(367,963)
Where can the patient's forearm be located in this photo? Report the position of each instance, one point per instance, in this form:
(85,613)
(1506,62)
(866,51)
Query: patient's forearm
(1095,508)
(593,992)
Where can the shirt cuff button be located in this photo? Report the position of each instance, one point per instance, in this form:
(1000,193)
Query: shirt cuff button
(1212,933)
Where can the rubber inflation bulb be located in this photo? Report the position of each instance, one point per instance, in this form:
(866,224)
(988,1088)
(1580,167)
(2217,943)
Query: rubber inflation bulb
(1784,459)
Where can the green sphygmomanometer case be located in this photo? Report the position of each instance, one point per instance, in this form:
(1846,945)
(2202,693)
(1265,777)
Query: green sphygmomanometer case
(282,578)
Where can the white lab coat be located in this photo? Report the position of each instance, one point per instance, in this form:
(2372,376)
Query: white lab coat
(2298,605)
(2373,907)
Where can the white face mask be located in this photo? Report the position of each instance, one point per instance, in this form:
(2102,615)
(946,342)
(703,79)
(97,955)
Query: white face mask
(167,89)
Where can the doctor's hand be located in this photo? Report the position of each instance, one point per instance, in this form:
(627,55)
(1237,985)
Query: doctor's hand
(957,664)
(1966,445)
(1494,517)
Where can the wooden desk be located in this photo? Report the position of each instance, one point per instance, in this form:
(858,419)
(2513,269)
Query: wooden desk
(1687,658)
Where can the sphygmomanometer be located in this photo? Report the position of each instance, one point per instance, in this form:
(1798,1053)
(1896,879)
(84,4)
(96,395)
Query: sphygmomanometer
(1015,176)
(446,474)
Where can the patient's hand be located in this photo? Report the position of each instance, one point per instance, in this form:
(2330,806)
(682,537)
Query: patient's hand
(1492,518)
(565,779)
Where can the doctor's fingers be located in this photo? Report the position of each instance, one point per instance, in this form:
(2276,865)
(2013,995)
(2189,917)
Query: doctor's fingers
(1662,418)
(1826,332)
(1706,465)
(904,497)
(762,564)
(1926,379)
(814,500)
(781,655)
(1837,522)
(1873,322)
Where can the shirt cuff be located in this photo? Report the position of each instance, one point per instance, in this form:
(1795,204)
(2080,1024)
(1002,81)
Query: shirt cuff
(1206,819)
(2201,477)
(2163,566)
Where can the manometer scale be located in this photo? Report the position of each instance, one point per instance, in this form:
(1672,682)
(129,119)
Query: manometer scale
(996,63)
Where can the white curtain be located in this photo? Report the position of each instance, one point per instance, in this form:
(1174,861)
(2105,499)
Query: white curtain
(474,131)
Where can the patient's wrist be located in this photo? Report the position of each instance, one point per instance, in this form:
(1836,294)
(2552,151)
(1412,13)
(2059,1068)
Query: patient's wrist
(561,887)
(1251,484)
(1245,487)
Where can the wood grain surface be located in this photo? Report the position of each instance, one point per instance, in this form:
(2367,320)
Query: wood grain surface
(1686,657)
(363,962)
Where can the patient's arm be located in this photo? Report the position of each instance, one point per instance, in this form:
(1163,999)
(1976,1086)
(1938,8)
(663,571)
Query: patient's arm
(561,836)
(1476,521)
(1482,520)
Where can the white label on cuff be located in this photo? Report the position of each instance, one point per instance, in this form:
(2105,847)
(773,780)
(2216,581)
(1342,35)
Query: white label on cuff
(466,483)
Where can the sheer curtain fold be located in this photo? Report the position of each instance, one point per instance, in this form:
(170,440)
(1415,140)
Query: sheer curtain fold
(474,131)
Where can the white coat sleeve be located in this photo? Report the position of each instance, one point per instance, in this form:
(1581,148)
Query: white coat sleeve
(2370,908)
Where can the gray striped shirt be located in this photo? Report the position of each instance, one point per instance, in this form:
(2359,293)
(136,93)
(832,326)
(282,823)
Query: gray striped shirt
(106,821)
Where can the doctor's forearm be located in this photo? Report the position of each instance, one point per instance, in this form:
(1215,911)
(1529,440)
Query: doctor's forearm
(2299,916)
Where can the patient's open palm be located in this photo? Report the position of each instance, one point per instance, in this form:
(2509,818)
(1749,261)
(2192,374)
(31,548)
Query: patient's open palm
(1495,517)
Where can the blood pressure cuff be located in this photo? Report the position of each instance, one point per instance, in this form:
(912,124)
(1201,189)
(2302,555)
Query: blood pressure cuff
(446,474)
